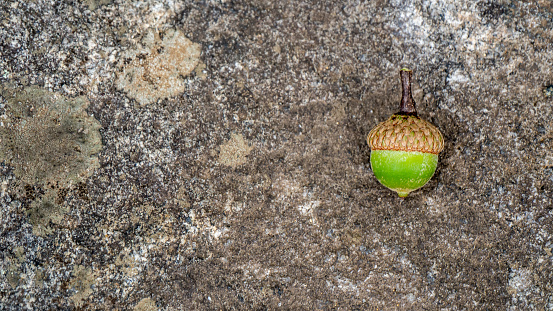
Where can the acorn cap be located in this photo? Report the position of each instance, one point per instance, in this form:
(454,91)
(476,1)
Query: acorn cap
(406,133)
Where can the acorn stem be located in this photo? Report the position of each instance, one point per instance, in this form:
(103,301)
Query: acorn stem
(407,105)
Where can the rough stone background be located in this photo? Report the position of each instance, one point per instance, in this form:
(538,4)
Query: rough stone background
(251,188)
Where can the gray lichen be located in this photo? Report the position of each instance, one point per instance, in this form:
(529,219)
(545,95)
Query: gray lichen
(51,143)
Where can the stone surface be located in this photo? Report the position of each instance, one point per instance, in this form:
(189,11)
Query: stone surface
(299,222)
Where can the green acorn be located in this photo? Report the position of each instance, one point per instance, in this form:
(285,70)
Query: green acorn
(405,148)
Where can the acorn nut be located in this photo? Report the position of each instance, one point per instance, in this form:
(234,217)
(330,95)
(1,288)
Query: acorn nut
(405,148)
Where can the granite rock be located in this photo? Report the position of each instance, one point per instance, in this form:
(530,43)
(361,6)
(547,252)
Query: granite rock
(249,187)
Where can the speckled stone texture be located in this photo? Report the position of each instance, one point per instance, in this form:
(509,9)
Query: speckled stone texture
(251,188)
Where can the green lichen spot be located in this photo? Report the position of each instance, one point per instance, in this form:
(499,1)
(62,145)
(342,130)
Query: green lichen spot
(52,144)
(403,171)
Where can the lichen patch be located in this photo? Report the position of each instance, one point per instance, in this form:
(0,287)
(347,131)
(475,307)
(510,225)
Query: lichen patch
(157,67)
(82,283)
(235,151)
(94,4)
(145,304)
(52,144)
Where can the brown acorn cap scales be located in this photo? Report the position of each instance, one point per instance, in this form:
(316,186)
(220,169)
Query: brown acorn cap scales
(405,131)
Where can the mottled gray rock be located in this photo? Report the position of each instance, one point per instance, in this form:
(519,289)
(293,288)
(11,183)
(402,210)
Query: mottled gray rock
(250,188)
